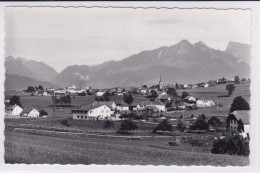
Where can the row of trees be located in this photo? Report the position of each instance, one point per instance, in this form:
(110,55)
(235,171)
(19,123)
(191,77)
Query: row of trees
(33,89)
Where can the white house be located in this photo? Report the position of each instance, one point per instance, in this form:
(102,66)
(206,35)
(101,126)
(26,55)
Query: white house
(14,110)
(206,85)
(92,112)
(159,105)
(33,113)
(205,103)
(100,93)
(122,107)
(143,91)
(190,99)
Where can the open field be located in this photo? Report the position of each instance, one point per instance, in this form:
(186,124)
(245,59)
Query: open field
(26,148)
(218,94)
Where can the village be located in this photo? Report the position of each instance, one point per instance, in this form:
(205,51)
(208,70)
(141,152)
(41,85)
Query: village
(170,106)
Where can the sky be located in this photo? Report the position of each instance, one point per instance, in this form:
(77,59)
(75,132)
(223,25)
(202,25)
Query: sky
(61,37)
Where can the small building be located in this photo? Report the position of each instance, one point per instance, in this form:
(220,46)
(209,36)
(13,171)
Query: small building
(239,121)
(122,107)
(100,93)
(205,103)
(33,113)
(13,110)
(143,91)
(206,85)
(92,112)
(159,105)
(163,97)
(190,99)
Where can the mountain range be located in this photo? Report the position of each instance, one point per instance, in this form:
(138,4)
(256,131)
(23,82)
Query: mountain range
(183,63)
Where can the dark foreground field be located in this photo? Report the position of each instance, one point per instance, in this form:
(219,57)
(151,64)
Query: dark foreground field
(33,149)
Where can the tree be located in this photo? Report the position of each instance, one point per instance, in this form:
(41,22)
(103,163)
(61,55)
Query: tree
(202,116)
(237,80)
(192,116)
(184,94)
(232,144)
(144,87)
(230,88)
(105,97)
(30,89)
(128,125)
(66,100)
(214,121)
(128,98)
(43,113)
(176,86)
(15,100)
(181,125)
(163,126)
(200,124)
(154,94)
(40,87)
(239,103)
(171,91)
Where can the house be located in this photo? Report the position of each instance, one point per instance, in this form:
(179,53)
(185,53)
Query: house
(190,99)
(239,120)
(205,103)
(92,112)
(13,110)
(159,105)
(163,97)
(100,93)
(206,85)
(143,91)
(110,104)
(33,113)
(122,107)
(181,106)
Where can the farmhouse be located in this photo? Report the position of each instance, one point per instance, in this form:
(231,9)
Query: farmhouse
(159,105)
(122,106)
(100,93)
(163,97)
(14,110)
(205,103)
(190,99)
(92,112)
(110,104)
(31,113)
(239,120)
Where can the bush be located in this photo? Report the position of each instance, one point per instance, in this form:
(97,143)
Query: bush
(230,88)
(128,125)
(43,113)
(163,126)
(108,124)
(200,124)
(65,122)
(232,144)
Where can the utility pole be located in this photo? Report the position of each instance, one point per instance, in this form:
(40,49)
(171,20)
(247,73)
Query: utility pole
(54,104)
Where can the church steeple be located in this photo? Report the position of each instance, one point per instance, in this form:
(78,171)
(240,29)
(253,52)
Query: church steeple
(160,83)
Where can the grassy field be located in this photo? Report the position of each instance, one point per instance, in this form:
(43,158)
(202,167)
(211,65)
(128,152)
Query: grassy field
(33,149)
(218,94)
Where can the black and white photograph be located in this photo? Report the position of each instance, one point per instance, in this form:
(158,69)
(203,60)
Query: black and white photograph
(127,86)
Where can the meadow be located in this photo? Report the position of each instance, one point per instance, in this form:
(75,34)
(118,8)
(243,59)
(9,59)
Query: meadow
(33,149)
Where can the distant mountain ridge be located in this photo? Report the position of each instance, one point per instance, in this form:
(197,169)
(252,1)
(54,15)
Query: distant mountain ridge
(240,50)
(183,63)
(29,68)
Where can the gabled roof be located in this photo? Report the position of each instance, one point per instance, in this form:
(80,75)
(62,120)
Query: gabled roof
(91,106)
(163,96)
(243,115)
(157,102)
(28,110)
(11,107)
(189,97)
